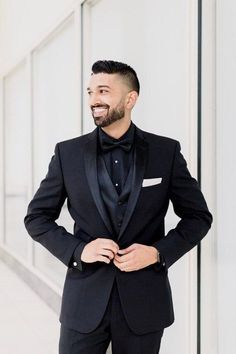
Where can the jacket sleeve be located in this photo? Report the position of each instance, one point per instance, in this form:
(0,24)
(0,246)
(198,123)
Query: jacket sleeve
(189,204)
(45,208)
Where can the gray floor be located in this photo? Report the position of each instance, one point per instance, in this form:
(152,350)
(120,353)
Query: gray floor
(27,324)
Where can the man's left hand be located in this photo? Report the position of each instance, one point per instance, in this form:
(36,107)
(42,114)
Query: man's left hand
(135,257)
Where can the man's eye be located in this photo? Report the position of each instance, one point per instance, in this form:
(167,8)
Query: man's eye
(89,92)
(103,91)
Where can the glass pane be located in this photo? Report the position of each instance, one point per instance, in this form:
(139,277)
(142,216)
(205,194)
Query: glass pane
(54,107)
(17,157)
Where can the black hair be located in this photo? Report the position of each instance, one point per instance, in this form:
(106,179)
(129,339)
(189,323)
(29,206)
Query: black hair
(115,67)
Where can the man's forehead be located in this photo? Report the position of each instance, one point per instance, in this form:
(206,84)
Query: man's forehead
(103,79)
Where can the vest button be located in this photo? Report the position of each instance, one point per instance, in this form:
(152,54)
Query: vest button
(120,202)
(119,224)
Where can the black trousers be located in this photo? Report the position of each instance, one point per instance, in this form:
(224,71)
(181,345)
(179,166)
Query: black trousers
(114,328)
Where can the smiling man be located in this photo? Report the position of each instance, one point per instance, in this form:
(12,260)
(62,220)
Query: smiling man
(118,181)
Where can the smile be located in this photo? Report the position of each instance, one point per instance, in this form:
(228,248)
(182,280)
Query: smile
(97,111)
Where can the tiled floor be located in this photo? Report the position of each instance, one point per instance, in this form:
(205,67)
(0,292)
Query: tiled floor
(27,324)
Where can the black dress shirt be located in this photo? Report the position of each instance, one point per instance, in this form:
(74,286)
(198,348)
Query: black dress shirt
(117,160)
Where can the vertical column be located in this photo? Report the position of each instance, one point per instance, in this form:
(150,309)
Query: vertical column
(29,174)
(226,172)
(2,218)
(78,67)
(209,335)
(192,136)
(86,55)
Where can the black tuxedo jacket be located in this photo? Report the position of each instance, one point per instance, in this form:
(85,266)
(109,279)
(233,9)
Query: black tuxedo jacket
(145,294)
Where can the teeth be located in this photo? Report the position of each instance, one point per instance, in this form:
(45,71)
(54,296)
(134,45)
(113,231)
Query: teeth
(99,109)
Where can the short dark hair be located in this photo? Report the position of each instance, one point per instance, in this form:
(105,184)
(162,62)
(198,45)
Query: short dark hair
(115,67)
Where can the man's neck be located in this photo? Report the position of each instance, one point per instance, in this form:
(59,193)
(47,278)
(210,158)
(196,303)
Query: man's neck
(117,129)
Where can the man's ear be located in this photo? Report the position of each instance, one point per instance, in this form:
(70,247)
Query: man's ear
(131,99)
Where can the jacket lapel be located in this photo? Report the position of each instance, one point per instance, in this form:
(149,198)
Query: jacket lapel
(90,160)
(140,159)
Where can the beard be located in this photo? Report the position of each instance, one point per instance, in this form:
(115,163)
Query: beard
(112,115)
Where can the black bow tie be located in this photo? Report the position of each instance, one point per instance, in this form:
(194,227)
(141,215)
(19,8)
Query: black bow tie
(108,145)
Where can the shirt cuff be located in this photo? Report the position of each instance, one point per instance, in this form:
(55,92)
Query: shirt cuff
(161,264)
(76,257)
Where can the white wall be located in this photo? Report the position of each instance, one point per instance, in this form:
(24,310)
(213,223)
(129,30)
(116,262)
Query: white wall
(23,22)
(37,111)
(226,172)
(209,315)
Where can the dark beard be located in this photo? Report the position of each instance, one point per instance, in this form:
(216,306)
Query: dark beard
(113,116)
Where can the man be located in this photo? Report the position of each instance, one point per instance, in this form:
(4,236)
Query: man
(118,181)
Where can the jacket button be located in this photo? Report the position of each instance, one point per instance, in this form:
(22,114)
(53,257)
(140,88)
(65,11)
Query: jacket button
(75,264)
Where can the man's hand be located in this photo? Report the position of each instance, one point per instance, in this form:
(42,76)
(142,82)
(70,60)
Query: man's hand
(135,257)
(101,249)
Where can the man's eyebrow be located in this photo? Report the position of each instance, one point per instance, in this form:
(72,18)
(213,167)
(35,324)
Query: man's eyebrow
(103,86)
(99,86)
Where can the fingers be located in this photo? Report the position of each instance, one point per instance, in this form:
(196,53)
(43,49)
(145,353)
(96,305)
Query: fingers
(108,244)
(124,266)
(103,259)
(133,247)
(126,259)
(106,249)
(122,259)
(126,254)
(109,254)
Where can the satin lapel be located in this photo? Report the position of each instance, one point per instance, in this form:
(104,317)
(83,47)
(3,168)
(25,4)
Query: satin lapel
(140,158)
(90,161)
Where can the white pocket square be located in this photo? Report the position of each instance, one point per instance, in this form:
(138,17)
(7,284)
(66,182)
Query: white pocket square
(151,181)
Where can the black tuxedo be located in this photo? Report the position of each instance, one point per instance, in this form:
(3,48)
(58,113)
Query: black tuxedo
(145,294)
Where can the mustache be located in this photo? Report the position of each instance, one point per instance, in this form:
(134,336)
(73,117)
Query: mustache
(100,106)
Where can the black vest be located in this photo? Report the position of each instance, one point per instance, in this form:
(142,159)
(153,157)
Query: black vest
(115,204)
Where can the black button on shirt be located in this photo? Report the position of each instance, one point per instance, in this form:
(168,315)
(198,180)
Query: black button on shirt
(117,160)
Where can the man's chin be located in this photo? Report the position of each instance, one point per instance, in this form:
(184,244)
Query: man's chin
(99,122)
(105,122)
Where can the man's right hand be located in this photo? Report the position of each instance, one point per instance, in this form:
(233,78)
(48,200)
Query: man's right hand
(101,249)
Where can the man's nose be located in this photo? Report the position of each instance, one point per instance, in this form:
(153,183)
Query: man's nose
(94,99)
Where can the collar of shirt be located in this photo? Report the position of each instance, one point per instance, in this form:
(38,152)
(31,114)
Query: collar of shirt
(129,134)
